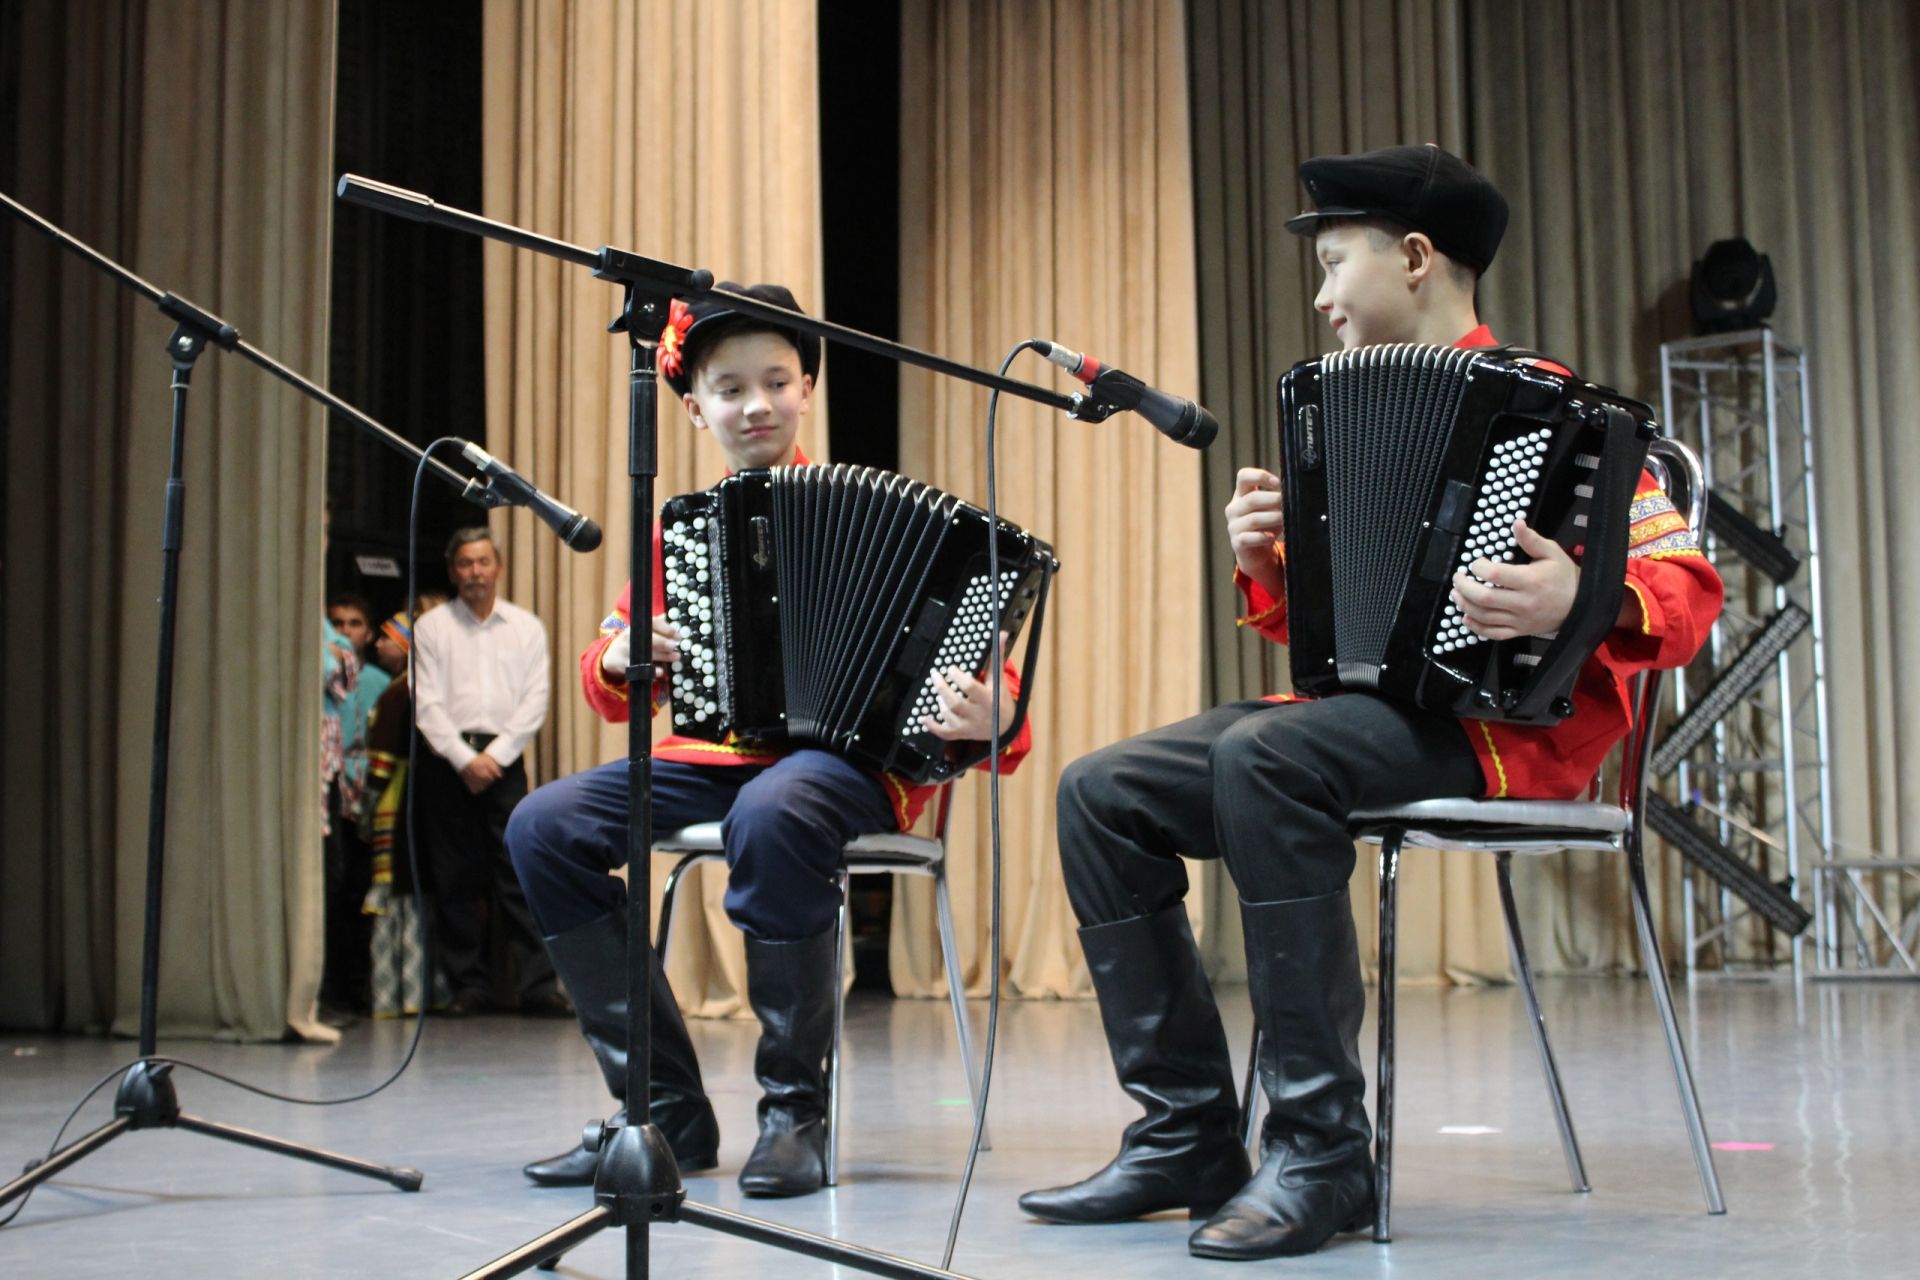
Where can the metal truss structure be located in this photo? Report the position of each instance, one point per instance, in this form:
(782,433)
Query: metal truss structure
(1747,757)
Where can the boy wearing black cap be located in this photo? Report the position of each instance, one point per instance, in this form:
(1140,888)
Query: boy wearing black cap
(1402,235)
(785,814)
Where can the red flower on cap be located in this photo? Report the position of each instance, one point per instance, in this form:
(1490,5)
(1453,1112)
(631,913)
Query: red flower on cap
(673,340)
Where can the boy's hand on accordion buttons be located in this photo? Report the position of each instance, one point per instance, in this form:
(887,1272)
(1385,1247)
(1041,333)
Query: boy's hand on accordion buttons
(1512,600)
(1256,524)
(666,644)
(966,706)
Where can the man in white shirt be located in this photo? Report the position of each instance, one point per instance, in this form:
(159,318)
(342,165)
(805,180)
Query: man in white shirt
(480,672)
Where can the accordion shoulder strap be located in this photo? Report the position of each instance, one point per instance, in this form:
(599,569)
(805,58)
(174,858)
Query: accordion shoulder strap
(1513,351)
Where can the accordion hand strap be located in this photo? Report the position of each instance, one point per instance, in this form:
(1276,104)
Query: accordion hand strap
(1603,567)
(974,753)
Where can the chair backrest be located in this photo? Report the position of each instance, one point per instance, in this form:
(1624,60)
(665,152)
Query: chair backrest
(1678,470)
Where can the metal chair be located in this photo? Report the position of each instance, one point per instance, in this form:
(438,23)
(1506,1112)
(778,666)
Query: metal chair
(1508,827)
(897,853)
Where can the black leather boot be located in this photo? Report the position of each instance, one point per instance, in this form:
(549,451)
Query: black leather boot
(790,986)
(592,960)
(1170,1053)
(1316,1175)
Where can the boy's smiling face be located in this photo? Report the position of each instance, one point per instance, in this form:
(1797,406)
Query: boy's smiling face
(749,391)
(1366,293)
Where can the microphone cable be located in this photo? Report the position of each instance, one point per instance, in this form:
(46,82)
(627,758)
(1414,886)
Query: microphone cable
(996,680)
(413,866)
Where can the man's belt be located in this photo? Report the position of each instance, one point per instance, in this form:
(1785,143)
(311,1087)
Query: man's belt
(478,739)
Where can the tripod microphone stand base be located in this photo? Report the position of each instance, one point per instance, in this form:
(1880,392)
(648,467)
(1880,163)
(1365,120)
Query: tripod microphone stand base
(638,1182)
(146,1099)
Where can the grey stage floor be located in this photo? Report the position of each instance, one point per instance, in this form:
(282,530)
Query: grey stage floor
(1824,1084)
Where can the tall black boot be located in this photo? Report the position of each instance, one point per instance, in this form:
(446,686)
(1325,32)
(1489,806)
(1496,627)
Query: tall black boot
(592,960)
(1170,1053)
(790,986)
(1315,1176)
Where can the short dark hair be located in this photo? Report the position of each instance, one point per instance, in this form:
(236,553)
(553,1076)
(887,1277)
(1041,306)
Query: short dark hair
(351,600)
(720,329)
(1384,233)
(472,533)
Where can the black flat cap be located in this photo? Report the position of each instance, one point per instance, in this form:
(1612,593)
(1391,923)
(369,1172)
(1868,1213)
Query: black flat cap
(1422,188)
(691,326)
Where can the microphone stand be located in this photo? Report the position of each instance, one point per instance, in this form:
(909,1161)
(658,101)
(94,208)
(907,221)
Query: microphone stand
(637,1182)
(147,1097)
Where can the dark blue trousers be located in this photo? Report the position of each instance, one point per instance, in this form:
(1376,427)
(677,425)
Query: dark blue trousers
(783,825)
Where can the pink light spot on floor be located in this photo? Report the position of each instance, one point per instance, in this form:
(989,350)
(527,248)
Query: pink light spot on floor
(1743,1146)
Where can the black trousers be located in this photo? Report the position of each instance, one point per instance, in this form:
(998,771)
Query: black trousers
(1266,786)
(463,840)
(348,966)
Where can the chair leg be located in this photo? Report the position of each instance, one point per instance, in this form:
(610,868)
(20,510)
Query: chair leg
(839,1029)
(957,996)
(1383,1080)
(1676,1049)
(1517,948)
(668,890)
(1250,1099)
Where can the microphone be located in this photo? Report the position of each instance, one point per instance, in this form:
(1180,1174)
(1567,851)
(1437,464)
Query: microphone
(504,482)
(1180,420)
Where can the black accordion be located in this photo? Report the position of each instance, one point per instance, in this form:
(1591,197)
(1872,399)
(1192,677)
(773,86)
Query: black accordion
(1406,463)
(816,602)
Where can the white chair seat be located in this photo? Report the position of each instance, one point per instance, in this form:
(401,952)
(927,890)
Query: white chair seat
(1580,815)
(702,837)
(1517,826)
(897,850)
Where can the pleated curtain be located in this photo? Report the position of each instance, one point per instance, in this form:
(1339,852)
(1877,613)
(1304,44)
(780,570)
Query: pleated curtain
(686,132)
(193,143)
(1046,192)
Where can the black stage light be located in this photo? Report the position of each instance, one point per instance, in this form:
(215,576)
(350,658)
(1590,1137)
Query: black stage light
(1772,901)
(1761,548)
(1733,683)
(1732,288)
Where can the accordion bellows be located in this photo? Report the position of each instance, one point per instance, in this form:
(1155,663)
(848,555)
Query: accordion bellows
(816,602)
(1407,463)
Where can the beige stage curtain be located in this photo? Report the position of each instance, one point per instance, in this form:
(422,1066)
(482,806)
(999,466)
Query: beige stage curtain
(1274,84)
(1629,136)
(193,142)
(687,132)
(1046,192)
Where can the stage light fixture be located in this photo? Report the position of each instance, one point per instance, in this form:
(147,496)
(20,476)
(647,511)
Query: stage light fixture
(1730,686)
(1733,288)
(1773,902)
(1761,548)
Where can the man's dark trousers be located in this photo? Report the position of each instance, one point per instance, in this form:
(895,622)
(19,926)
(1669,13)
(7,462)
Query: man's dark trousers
(463,836)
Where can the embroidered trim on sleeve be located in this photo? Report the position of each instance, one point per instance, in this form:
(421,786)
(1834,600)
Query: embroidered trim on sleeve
(1656,528)
(1255,620)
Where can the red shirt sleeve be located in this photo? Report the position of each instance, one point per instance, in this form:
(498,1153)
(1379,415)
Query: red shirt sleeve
(608,696)
(1679,597)
(1678,592)
(1265,612)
